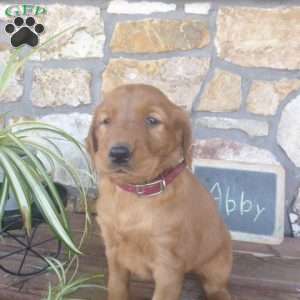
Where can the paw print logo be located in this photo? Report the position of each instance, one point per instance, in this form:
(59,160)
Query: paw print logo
(24,31)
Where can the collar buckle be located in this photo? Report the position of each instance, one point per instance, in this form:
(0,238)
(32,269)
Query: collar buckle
(140,188)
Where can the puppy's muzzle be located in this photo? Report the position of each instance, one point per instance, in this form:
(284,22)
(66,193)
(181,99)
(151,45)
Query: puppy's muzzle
(120,154)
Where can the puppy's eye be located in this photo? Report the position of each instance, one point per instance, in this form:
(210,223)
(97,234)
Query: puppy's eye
(105,121)
(151,121)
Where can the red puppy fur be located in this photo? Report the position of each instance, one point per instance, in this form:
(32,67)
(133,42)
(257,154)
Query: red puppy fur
(167,235)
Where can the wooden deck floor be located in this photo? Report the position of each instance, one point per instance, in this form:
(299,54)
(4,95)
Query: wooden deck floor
(260,272)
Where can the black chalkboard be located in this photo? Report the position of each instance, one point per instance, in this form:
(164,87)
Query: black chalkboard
(250,197)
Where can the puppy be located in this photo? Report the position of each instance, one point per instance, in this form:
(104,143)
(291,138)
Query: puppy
(156,219)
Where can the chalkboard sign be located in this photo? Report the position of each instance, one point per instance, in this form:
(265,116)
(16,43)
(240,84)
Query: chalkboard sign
(250,197)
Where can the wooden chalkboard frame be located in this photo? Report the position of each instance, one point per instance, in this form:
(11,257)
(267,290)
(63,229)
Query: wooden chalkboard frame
(278,233)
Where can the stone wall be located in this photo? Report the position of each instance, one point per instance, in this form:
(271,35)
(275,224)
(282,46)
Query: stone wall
(234,65)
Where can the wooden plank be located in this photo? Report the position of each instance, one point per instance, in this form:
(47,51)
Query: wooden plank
(289,248)
(270,275)
(276,275)
(7,294)
(245,293)
(270,272)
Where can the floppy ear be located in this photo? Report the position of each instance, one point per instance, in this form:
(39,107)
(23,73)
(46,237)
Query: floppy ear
(184,124)
(91,140)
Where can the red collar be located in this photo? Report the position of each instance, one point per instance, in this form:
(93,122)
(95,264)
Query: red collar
(157,186)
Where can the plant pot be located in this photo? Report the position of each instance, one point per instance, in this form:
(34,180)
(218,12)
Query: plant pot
(11,203)
(34,245)
(12,216)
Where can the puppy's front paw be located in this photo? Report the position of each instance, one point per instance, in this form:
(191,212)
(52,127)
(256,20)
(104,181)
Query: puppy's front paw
(220,295)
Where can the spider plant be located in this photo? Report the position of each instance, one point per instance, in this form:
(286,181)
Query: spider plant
(69,284)
(28,157)
(25,174)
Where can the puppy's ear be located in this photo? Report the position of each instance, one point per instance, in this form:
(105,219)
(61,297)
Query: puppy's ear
(183,122)
(91,140)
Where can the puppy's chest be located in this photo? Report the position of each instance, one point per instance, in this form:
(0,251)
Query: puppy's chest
(131,229)
(130,233)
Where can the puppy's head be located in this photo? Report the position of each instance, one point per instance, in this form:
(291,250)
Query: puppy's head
(137,133)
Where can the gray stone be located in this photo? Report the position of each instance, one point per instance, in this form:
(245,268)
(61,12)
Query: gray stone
(201,8)
(289,130)
(159,35)
(259,37)
(180,78)
(251,127)
(77,125)
(139,7)
(296,206)
(295,224)
(217,148)
(13,92)
(55,87)
(266,96)
(14,89)
(222,93)
(19,119)
(86,39)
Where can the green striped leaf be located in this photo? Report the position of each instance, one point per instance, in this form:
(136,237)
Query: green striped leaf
(3,198)
(63,163)
(44,202)
(40,168)
(40,126)
(15,182)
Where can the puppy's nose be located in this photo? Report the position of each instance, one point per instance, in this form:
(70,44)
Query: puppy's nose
(119,154)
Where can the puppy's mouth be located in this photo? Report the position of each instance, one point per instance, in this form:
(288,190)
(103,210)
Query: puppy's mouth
(120,169)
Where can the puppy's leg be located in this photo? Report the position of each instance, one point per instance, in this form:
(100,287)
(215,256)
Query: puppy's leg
(214,276)
(118,279)
(168,284)
(216,291)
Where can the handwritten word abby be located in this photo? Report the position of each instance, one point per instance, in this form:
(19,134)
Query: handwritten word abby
(242,205)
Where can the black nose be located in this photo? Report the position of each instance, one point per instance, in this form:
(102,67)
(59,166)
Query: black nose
(119,154)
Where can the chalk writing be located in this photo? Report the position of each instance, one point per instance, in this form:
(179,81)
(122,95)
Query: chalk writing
(240,205)
(250,198)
